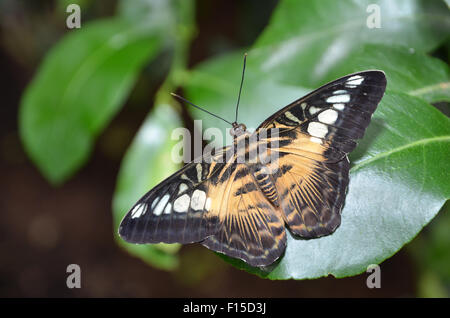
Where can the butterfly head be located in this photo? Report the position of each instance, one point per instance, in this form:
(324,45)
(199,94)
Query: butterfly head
(237,129)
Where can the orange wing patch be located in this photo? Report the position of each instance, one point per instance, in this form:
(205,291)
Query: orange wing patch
(311,189)
(250,228)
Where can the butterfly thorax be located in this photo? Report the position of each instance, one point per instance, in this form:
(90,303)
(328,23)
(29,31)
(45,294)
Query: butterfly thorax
(237,129)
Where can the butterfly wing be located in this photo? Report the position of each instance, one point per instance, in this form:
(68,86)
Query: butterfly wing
(250,227)
(176,210)
(315,135)
(311,193)
(215,203)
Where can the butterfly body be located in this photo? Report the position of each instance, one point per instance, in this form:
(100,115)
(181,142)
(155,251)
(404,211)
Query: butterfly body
(237,129)
(291,173)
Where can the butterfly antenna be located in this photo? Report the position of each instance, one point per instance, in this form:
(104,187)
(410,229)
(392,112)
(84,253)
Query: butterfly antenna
(240,88)
(198,107)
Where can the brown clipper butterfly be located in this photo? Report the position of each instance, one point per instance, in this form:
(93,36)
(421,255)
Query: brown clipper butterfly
(242,208)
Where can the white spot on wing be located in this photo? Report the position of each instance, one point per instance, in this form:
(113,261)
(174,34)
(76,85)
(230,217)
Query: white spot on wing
(339,106)
(355,80)
(313,110)
(161,205)
(199,172)
(290,116)
(183,187)
(303,105)
(198,200)
(208,204)
(318,130)
(168,208)
(181,204)
(328,116)
(338,99)
(316,140)
(138,210)
(154,203)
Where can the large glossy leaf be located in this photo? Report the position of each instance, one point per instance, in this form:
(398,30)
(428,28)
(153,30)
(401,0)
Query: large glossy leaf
(408,71)
(215,85)
(310,37)
(147,162)
(80,85)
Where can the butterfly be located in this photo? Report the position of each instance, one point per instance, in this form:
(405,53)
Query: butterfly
(243,208)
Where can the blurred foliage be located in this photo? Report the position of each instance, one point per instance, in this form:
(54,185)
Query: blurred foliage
(105,58)
(431,252)
(400,173)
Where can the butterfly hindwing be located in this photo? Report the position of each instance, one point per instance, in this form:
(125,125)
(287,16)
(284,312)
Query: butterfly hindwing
(311,194)
(250,228)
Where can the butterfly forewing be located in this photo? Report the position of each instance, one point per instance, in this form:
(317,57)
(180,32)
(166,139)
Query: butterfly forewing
(337,113)
(176,210)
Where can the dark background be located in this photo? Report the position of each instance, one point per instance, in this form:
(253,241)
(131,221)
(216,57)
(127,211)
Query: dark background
(44,228)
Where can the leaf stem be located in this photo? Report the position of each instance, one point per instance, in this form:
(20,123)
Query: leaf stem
(184,33)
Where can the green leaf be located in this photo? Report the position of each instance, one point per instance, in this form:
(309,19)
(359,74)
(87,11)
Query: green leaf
(408,71)
(215,84)
(431,254)
(78,88)
(310,37)
(147,162)
(148,9)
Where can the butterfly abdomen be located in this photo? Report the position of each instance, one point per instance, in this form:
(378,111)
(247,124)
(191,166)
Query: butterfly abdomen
(265,183)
